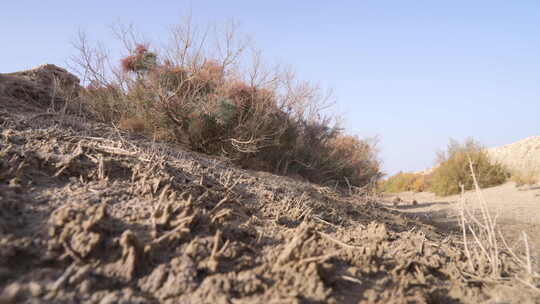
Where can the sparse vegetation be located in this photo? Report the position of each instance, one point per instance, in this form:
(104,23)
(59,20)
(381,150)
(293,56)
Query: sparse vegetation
(485,247)
(529,178)
(453,169)
(180,213)
(113,217)
(406,181)
(207,97)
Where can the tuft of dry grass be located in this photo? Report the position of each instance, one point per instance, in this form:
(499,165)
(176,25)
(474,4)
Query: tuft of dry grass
(488,254)
(529,178)
(132,124)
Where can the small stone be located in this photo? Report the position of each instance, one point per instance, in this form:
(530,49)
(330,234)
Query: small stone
(110,298)
(11,292)
(15,139)
(85,286)
(35,289)
(15,182)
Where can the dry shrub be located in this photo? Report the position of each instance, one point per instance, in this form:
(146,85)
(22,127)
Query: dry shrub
(421,183)
(405,181)
(106,102)
(209,76)
(352,160)
(529,177)
(261,118)
(169,77)
(133,124)
(453,169)
(487,251)
(309,154)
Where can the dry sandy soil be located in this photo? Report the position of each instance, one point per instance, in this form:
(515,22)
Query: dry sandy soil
(516,209)
(92,214)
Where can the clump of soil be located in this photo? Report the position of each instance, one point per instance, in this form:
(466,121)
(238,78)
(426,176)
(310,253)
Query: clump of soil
(91,214)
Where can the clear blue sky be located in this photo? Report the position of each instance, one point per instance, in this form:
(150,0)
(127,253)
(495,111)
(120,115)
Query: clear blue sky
(414,73)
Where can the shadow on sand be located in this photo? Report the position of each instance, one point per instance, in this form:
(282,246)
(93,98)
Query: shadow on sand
(529,188)
(421,205)
(443,219)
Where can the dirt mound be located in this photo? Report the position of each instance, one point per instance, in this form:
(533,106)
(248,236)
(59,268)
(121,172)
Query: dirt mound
(39,88)
(91,214)
(49,75)
(522,156)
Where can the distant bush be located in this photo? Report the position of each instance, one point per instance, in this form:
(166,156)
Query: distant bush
(529,178)
(454,170)
(261,118)
(421,183)
(404,181)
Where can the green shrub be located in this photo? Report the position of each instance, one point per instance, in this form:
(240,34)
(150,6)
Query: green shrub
(454,170)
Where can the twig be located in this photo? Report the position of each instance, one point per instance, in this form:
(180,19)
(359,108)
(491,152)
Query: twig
(338,242)
(318,258)
(351,279)
(462,213)
(220,252)
(221,202)
(511,251)
(479,243)
(527,252)
(489,223)
(216,244)
(175,230)
(323,221)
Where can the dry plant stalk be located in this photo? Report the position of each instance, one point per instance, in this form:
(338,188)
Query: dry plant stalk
(488,243)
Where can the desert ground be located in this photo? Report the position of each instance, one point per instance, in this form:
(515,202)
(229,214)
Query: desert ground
(516,209)
(93,214)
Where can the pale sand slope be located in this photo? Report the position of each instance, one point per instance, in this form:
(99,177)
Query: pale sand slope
(522,156)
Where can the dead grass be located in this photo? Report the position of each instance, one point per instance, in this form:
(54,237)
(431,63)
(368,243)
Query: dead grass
(488,253)
(529,178)
(132,124)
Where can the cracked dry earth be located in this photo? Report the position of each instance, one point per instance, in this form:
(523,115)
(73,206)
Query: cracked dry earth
(90,214)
